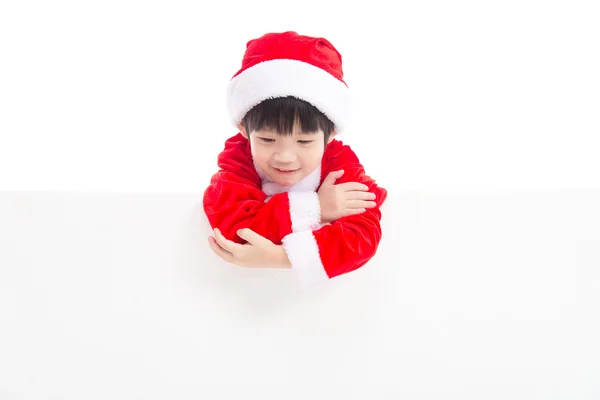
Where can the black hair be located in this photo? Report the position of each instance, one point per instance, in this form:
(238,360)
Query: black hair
(279,115)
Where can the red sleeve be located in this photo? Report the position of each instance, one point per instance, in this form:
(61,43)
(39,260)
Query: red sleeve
(234,200)
(350,242)
(231,204)
(346,244)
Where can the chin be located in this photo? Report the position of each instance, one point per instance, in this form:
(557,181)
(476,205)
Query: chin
(286,182)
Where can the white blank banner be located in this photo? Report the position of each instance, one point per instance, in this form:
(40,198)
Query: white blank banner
(470,297)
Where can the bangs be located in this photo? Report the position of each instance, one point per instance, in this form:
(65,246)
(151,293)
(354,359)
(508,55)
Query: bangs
(280,114)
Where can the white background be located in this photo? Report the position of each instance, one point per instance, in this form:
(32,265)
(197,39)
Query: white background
(480,118)
(129,96)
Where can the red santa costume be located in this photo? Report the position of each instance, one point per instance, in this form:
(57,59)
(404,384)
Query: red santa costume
(240,195)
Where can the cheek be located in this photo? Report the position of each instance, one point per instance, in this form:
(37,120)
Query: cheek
(312,157)
(260,155)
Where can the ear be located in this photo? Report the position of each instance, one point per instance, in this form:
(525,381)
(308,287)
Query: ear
(332,135)
(243,130)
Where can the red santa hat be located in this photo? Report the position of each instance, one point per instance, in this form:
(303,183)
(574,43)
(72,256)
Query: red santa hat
(289,64)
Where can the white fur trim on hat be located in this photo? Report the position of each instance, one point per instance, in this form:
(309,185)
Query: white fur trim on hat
(283,77)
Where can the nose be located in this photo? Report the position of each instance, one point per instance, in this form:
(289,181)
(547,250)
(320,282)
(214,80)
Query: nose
(284,156)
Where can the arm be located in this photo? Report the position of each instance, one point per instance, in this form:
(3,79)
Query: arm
(230,203)
(234,200)
(347,243)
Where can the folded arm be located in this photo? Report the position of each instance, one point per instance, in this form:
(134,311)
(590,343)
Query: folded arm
(347,243)
(232,202)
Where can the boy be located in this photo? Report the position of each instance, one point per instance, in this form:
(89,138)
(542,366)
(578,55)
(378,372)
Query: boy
(287,193)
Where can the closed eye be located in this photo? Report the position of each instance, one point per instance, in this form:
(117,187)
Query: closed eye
(305,141)
(267,140)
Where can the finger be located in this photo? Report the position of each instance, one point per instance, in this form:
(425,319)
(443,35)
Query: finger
(214,245)
(354,204)
(225,243)
(360,195)
(218,250)
(252,237)
(350,186)
(332,176)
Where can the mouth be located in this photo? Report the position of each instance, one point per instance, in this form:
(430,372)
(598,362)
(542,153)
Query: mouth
(285,171)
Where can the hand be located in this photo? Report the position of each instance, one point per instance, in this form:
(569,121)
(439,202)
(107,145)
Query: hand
(258,252)
(344,199)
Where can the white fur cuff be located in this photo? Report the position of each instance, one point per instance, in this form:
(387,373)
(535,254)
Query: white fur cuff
(305,211)
(303,253)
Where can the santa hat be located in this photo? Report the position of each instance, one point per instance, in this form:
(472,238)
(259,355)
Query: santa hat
(289,64)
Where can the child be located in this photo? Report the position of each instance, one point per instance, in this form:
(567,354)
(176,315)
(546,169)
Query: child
(288,193)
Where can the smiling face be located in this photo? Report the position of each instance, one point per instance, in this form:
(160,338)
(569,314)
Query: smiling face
(286,159)
(287,137)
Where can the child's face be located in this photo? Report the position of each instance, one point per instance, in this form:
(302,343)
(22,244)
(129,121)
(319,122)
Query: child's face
(286,159)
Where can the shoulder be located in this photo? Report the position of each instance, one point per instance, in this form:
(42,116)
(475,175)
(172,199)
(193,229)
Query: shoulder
(236,158)
(337,153)
(341,156)
(236,146)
